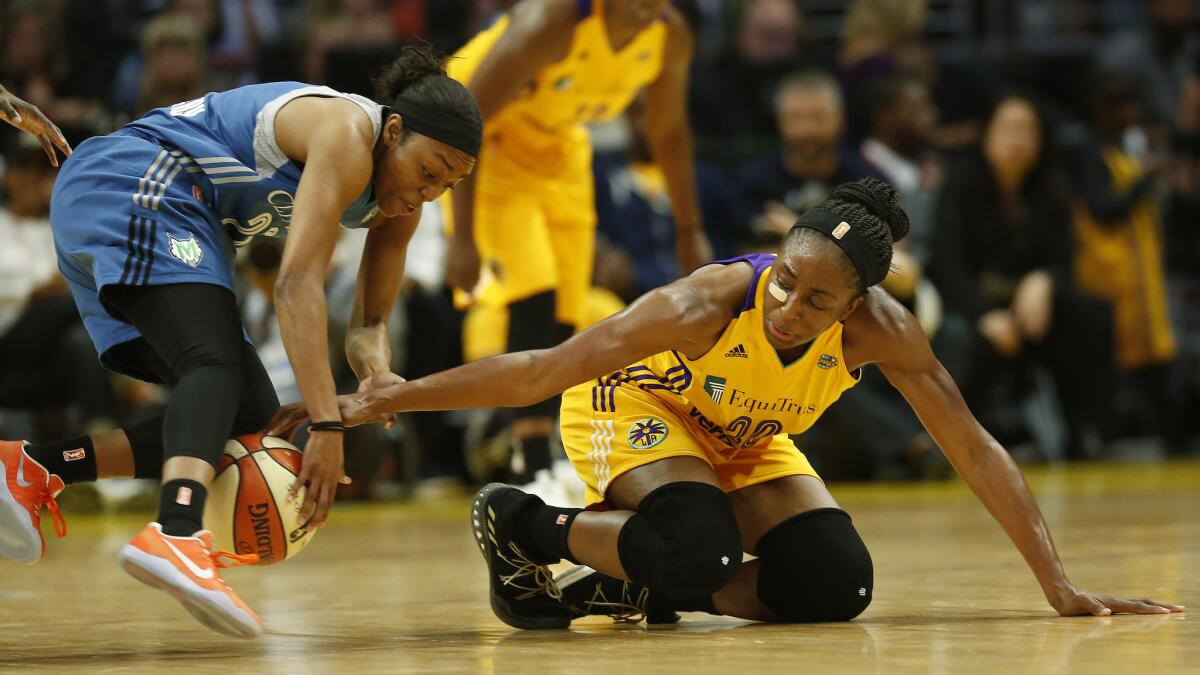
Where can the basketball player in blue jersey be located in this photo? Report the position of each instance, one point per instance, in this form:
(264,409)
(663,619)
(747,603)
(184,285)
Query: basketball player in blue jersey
(686,453)
(146,221)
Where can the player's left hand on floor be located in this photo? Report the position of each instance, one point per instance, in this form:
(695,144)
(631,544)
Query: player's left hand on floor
(322,471)
(1080,603)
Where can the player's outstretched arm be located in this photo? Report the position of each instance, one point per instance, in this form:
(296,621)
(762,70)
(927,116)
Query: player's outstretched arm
(333,140)
(687,316)
(677,316)
(885,333)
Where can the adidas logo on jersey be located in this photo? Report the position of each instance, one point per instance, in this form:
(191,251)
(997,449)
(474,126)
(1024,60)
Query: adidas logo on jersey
(738,352)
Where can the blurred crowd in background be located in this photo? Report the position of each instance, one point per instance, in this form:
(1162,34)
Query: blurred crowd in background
(1047,152)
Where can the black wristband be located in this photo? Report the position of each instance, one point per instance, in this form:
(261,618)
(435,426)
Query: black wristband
(334,425)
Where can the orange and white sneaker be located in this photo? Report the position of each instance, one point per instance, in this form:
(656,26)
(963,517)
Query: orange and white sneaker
(186,568)
(25,488)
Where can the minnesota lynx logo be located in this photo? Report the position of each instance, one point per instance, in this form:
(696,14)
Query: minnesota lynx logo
(647,433)
(188,250)
(715,386)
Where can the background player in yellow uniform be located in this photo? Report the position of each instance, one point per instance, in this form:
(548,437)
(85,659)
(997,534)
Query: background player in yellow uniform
(540,74)
(687,446)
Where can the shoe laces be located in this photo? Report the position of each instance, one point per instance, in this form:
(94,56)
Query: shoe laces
(223,559)
(54,485)
(625,609)
(528,576)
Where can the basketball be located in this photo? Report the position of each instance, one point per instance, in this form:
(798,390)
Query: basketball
(248,510)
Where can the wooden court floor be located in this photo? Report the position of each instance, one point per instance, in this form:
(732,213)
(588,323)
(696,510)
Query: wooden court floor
(399,588)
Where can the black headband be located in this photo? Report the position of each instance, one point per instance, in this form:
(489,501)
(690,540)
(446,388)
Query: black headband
(849,238)
(440,126)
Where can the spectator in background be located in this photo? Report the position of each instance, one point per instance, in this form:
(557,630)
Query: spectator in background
(732,101)
(234,33)
(1159,57)
(343,23)
(1181,214)
(46,358)
(784,184)
(1003,250)
(882,39)
(175,66)
(1120,257)
(33,66)
(901,118)
(876,39)
(238,31)
(633,211)
(30,62)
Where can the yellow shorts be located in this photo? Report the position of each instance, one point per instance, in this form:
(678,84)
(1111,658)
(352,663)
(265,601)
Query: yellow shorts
(537,231)
(643,429)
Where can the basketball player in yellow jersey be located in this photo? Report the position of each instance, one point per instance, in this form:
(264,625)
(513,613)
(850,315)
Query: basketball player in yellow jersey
(685,451)
(540,74)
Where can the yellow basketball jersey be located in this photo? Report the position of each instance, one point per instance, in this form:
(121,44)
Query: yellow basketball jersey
(740,393)
(592,83)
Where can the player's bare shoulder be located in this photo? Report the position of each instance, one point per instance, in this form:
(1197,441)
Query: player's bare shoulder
(880,329)
(305,117)
(707,299)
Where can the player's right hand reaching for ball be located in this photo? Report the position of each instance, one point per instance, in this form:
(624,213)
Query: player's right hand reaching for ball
(322,472)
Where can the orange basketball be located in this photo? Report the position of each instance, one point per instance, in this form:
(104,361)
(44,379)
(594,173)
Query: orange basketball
(248,510)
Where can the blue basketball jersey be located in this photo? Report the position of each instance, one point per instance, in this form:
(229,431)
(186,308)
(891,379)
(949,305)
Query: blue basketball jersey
(166,199)
(226,140)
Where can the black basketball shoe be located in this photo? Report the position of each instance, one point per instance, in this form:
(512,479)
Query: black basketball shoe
(523,592)
(587,592)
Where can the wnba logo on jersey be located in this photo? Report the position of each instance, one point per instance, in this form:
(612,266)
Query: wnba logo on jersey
(647,433)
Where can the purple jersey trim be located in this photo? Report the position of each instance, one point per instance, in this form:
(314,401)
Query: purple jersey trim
(760,262)
(583,8)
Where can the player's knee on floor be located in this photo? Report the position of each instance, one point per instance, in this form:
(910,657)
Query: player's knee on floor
(815,567)
(684,541)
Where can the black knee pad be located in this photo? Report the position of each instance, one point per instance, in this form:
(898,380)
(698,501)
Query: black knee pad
(815,567)
(684,541)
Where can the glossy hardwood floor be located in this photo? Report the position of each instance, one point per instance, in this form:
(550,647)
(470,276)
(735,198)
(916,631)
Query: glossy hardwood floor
(400,588)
